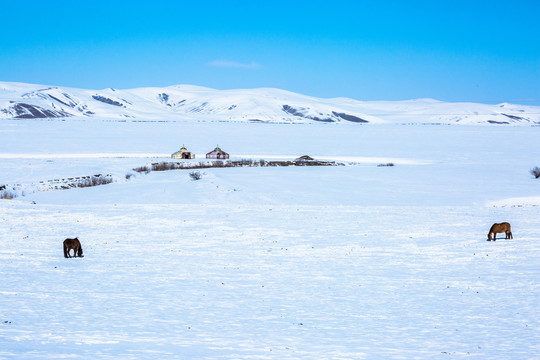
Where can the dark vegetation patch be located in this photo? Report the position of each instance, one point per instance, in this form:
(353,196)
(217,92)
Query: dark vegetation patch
(290,110)
(164,99)
(349,117)
(27,111)
(319,119)
(84,110)
(513,117)
(298,112)
(199,108)
(301,113)
(62,102)
(166,165)
(535,171)
(498,122)
(106,100)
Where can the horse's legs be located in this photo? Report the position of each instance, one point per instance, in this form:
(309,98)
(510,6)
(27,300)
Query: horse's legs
(494,236)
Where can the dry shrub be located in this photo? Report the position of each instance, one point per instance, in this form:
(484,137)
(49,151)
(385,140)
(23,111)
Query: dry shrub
(90,181)
(164,166)
(6,194)
(142,169)
(195,175)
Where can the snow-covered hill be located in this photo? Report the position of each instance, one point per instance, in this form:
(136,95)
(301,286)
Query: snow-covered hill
(184,102)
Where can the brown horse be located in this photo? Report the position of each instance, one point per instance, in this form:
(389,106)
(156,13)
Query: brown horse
(500,228)
(74,244)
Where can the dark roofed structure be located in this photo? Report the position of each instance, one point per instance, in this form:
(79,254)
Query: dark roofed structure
(305,158)
(217,153)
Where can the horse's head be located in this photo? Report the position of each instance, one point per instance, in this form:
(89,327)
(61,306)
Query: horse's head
(489,236)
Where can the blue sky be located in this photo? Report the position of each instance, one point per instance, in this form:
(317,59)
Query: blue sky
(481,51)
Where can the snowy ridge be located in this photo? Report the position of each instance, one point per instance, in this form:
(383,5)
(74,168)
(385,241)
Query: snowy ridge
(186,102)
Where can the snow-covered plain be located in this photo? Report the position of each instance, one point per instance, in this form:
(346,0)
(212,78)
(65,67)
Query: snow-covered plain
(349,262)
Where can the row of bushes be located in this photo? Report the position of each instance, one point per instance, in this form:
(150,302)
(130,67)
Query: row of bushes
(88,181)
(13,191)
(163,166)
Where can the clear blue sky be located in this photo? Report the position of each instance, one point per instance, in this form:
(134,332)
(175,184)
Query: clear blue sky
(482,51)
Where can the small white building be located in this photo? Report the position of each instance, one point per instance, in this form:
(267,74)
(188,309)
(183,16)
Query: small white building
(183,153)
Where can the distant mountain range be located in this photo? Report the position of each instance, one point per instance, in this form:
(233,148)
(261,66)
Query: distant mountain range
(185,102)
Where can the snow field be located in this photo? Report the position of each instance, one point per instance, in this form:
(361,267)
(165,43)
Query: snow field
(354,262)
(188,281)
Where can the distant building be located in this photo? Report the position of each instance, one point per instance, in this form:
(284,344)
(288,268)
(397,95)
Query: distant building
(217,153)
(305,158)
(183,153)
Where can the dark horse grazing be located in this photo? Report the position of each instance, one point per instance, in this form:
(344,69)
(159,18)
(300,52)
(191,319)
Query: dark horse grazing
(500,228)
(74,244)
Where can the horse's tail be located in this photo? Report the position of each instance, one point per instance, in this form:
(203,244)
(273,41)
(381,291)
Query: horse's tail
(65,250)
